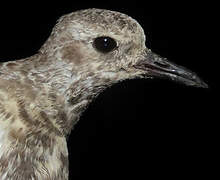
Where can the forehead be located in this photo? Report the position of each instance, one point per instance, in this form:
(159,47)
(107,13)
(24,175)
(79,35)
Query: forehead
(106,18)
(98,21)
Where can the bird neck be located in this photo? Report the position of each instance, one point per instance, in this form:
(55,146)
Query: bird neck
(69,89)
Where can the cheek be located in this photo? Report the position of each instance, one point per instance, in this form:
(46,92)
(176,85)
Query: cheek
(79,53)
(72,54)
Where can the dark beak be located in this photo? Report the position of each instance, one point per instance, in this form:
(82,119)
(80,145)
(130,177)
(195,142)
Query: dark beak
(155,66)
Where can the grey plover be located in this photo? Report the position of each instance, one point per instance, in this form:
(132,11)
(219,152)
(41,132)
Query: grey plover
(43,96)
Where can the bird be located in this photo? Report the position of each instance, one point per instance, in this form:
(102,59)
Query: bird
(43,96)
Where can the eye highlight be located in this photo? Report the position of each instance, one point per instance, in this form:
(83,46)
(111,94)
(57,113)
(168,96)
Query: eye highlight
(105,44)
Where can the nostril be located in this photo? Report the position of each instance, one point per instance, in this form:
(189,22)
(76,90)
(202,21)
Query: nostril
(163,65)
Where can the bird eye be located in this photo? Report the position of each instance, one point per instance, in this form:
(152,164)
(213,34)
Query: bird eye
(105,44)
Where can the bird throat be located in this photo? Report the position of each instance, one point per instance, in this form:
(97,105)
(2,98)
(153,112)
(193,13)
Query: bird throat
(79,95)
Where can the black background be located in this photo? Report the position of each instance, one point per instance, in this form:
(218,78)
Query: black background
(142,128)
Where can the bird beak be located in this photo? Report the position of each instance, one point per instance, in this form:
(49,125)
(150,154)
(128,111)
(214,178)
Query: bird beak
(155,66)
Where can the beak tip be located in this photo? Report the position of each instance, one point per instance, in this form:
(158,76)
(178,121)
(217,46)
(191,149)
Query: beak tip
(204,85)
(201,84)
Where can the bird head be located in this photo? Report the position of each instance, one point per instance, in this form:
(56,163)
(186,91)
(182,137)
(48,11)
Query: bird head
(110,46)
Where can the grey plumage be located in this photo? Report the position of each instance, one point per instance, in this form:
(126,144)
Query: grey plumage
(43,96)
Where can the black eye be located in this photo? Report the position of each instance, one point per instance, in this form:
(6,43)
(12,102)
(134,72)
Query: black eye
(105,44)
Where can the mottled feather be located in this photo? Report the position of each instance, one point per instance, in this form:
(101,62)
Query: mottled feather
(43,96)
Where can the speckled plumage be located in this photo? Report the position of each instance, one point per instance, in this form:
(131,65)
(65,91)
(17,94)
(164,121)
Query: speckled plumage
(43,96)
